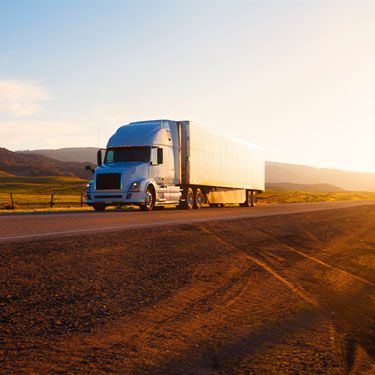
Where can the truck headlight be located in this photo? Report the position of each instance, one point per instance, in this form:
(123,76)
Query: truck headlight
(135,186)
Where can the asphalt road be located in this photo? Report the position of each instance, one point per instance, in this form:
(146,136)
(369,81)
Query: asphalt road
(21,227)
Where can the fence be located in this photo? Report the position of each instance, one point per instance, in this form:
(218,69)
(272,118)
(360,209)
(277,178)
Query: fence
(14,201)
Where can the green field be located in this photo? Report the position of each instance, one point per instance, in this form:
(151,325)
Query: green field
(34,194)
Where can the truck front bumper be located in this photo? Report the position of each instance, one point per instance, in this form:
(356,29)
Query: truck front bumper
(115,198)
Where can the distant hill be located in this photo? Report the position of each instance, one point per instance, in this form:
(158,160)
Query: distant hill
(5,174)
(323,188)
(302,174)
(276,173)
(77,154)
(19,164)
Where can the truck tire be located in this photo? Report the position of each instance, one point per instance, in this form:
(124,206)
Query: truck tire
(254,199)
(248,198)
(188,196)
(198,198)
(149,203)
(99,206)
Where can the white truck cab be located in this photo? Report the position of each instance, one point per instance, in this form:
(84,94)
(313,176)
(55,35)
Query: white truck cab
(138,168)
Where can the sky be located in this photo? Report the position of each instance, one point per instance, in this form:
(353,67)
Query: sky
(295,77)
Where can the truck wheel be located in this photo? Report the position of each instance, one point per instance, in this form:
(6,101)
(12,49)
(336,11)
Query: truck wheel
(247,202)
(149,200)
(198,198)
(99,206)
(254,199)
(250,199)
(188,196)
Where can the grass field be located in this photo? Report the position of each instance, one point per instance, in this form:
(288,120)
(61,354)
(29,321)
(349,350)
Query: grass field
(294,196)
(34,194)
(42,185)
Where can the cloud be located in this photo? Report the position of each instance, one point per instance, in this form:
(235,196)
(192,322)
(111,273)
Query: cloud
(21,98)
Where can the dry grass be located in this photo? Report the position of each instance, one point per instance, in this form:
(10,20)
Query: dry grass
(26,202)
(34,194)
(294,196)
(42,185)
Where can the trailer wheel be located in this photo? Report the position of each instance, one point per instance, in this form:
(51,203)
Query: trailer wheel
(99,206)
(254,199)
(250,200)
(198,198)
(149,203)
(247,202)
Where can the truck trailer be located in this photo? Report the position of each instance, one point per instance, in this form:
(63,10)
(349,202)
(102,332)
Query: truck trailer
(165,162)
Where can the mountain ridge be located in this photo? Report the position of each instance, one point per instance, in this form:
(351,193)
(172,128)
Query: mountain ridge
(276,172)
(30,165)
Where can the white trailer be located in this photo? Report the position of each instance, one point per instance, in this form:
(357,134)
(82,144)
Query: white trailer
(162,162)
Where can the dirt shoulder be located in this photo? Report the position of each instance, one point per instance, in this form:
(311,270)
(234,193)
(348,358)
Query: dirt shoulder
(282,294)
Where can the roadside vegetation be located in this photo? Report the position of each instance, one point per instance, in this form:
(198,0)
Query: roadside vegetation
(296,196)
(35,194)
(42,185)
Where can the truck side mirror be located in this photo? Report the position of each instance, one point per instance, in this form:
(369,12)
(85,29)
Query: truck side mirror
(88,168)
(160,155)
(99,157)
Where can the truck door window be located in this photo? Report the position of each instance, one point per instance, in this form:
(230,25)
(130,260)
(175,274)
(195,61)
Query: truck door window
(160,155)
(154,156)
(109,156)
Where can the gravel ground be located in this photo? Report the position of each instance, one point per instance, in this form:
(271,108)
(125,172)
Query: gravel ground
(283,294)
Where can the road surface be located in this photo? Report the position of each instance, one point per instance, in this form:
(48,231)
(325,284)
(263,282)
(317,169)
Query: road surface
(19,227)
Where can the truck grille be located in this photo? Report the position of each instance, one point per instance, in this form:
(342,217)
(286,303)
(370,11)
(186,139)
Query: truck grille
(108,181)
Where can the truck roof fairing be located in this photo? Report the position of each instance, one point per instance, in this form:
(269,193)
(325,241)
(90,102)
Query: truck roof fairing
(141,133)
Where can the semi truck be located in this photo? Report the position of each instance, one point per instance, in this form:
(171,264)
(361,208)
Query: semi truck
(164,162)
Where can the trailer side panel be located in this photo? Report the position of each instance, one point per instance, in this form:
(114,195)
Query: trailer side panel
(215,159)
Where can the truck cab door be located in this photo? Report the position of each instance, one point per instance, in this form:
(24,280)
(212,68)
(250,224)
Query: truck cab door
(157,168)
(162,171)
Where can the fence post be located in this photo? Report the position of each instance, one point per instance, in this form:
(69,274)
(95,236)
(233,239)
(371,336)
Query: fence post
(81,199)
(51,201)
(11,199)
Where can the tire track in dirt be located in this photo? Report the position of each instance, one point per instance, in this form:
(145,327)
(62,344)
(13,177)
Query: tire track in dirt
(267,268)
(191,303)
(350,350)
(191,308)
(335,245)
(217,294)
(316,260)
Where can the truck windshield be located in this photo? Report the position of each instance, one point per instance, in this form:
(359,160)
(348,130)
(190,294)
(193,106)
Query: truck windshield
(127,154)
